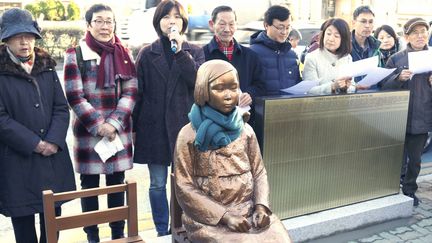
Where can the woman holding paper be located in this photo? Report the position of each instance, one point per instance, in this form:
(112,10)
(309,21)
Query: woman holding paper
(324,64)
(101,85)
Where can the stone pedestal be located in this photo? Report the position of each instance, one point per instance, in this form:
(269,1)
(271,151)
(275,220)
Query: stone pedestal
(349,217)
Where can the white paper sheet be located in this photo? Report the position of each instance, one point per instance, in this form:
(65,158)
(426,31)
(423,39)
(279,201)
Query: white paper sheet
(375,75)
(359,68)
(420,61)
(243,109)
(107,149)
(301,88)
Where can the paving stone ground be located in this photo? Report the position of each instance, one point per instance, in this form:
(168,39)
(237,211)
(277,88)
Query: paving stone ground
(416,229)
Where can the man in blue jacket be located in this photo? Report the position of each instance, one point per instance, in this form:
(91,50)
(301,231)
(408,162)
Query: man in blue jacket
(279,61)
(364,45)
(223,46)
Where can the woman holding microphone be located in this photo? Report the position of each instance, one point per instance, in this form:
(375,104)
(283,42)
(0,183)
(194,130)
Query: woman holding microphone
(166,72)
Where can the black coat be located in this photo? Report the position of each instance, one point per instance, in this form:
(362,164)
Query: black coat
(420,103)
(165,96)
(32,108)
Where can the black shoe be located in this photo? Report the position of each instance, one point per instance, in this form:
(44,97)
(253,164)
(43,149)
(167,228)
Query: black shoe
(115,237)
(415,198)
(159,234)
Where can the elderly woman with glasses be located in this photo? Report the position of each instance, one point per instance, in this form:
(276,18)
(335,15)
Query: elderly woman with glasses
(34,119)
(101,85)
(280,63)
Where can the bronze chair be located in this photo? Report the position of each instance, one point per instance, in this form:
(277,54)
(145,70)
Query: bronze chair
(127,212)
(178,233)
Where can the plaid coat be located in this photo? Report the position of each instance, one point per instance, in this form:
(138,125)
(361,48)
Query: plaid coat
(92,107)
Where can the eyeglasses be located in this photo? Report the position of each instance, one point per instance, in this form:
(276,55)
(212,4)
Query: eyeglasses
(100,22)
(282,28)
(419,33)
(365,21)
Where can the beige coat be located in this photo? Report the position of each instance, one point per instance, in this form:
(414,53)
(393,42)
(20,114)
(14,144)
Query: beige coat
(211,183)
(324,66)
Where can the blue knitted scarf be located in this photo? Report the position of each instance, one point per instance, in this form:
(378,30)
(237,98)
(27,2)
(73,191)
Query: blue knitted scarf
(213,129)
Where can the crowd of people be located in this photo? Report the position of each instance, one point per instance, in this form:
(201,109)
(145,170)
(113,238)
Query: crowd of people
(175,106)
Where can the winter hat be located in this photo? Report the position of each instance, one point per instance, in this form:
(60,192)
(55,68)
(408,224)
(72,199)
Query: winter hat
(16,21)
(410,24)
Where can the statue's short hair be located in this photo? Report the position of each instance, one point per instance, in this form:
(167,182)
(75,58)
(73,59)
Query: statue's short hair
(207,73)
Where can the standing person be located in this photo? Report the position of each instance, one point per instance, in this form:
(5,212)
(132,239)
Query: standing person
(166,80)
(101,85)
(294,37)
(324,64)
(223,24)
(420,103)
(389,42)
(279,61)
(34,119)
(364,45)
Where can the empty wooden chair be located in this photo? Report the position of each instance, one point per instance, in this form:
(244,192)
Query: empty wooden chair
(127,212)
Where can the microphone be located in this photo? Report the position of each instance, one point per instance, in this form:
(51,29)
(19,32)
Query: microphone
(173,41)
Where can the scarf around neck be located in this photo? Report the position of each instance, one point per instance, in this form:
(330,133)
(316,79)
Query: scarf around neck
(213,129)
(115,61)
(25,62)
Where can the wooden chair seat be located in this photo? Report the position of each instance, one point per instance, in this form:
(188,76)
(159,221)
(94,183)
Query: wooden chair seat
(127,212)
(179,234)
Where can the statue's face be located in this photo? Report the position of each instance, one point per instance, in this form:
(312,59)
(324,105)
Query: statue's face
(224,93)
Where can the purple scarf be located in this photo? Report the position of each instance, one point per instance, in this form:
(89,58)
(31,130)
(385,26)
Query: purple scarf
(115,61)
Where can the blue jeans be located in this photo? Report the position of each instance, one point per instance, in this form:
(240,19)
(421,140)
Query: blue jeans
(158,197)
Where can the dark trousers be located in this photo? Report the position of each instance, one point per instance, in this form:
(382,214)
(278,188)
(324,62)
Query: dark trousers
(92,203)
(24,228)
(414,144)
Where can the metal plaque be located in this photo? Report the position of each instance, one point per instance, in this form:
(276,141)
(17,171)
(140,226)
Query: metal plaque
(329,151)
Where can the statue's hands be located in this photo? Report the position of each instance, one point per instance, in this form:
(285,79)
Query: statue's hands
(260,217)
(236,222)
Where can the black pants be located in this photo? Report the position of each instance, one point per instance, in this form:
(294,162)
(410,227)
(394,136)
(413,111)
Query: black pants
(414,144)
(92,203)
(24,228)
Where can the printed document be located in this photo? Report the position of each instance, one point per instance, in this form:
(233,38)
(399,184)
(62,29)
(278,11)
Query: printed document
(301,88)
(106,149)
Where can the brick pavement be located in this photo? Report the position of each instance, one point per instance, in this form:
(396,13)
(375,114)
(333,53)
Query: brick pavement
(418,228)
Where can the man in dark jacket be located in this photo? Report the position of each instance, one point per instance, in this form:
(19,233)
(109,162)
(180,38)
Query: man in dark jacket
(279,61)
(420,105)
(223,46)
(364,45)
(34,119)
